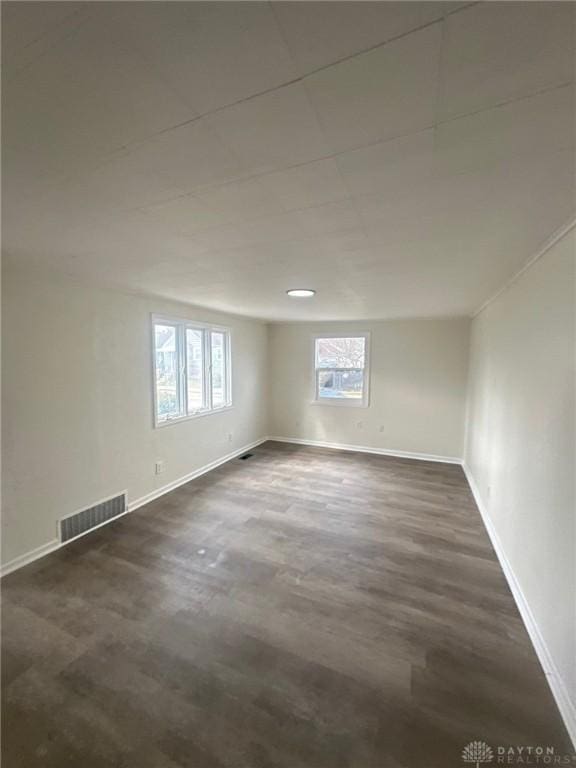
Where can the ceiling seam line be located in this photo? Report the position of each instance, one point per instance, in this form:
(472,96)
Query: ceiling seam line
(288,83)
(333,155)
(137,144)
(359,148)
(83,14)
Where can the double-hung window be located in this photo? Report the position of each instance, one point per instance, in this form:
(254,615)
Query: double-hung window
(341,369)
(191,369)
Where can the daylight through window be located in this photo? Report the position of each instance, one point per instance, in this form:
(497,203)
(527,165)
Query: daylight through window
(341,370)
(191,369)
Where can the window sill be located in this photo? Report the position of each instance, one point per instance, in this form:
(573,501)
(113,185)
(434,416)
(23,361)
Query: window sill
(200,415)
(341,402)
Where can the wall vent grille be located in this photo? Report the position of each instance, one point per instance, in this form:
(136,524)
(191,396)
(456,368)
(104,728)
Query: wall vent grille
(81,522)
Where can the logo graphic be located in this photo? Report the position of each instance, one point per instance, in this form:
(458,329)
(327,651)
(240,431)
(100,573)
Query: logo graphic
(477,752)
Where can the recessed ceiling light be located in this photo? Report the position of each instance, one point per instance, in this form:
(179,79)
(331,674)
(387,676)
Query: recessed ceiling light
(301,293)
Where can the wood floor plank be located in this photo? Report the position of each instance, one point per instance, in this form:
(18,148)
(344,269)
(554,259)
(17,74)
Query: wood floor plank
(305,608)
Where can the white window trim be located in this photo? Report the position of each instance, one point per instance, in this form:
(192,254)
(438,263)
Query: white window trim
(342,402)
(185,323)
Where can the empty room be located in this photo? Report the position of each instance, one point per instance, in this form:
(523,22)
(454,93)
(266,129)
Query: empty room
(288,384)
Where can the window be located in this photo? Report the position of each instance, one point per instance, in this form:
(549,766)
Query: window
(341,370)
(191,369)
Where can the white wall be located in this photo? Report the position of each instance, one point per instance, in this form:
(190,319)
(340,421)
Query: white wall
(520,442)
(417,388)
(77,400)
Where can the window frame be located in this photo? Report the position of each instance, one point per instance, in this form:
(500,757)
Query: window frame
(182,325)
(342,402)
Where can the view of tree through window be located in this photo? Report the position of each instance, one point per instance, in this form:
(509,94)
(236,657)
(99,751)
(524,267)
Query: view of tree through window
(340,368)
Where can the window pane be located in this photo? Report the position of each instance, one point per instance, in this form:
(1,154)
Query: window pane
(218,370)
(166,352)
(195,369)
(347,384)
(340,353)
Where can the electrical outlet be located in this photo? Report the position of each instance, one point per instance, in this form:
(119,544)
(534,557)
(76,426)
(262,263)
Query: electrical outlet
(381,428)
(229,437)
(359,424)
(159,467)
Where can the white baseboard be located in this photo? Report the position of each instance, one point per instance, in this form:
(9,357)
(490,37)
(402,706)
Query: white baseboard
(368,449)
(557,686)
(192,475)
(51,546)
(29,557)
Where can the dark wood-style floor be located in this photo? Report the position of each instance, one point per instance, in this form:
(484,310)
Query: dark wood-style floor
(303,608)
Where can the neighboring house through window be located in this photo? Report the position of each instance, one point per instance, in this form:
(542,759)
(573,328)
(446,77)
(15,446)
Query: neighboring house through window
(192,373)
(341,369)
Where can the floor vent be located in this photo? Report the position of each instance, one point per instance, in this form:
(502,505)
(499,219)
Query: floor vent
(81,522)
(246,456)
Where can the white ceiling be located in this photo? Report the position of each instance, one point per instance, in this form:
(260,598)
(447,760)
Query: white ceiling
(403,159)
